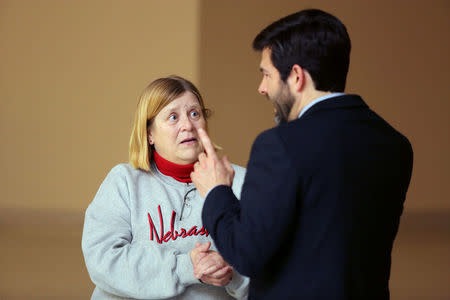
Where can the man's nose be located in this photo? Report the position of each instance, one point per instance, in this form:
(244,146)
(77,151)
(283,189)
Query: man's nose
(262,89)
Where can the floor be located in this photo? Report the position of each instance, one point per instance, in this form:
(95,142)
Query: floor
(43,261)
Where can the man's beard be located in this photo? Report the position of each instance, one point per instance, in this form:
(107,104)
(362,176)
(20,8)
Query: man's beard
(283,102)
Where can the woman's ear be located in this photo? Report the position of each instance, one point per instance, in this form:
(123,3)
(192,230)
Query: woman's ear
(150,139)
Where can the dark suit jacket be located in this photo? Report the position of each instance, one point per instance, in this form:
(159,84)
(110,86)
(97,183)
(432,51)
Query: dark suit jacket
(320,205)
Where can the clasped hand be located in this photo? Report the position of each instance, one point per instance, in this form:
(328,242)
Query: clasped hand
(209,266)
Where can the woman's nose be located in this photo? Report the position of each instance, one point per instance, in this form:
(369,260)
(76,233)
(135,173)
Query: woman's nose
(186,124)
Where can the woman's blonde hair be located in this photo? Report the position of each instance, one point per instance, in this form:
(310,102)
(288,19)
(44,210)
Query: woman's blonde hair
(153,99)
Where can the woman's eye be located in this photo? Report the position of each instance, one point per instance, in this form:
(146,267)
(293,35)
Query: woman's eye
(194,114)
(172,117)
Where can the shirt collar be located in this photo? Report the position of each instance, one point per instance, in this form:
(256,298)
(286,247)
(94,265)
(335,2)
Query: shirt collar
(317,100)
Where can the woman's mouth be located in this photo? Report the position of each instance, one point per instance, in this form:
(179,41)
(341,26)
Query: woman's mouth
(189,141)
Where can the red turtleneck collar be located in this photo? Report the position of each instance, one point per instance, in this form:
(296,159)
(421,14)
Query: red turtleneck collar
(180,173)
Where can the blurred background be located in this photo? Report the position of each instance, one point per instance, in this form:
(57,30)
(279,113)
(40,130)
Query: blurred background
(71,73)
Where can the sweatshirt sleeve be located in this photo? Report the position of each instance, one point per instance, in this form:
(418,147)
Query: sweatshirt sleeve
(120,266)
(238,287)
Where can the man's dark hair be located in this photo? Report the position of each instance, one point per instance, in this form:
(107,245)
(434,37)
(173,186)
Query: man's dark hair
(313,39)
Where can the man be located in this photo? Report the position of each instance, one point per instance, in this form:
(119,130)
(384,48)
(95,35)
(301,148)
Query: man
(324,190)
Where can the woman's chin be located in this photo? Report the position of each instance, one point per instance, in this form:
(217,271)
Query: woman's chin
(189,157)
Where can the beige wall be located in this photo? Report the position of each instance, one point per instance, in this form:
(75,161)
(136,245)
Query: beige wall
(400,64)
(71,73)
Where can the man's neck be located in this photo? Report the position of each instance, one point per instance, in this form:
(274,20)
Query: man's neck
(303,100)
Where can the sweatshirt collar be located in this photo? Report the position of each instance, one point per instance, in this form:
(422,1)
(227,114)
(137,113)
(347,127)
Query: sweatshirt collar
(167,179)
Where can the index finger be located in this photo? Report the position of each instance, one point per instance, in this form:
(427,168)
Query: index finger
(207,144)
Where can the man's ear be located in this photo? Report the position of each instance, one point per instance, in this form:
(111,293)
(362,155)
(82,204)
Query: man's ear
(297,78)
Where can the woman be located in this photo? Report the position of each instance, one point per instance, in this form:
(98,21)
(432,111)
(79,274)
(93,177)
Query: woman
(143,235)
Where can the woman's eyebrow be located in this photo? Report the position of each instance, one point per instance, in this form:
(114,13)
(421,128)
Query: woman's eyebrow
(194,105)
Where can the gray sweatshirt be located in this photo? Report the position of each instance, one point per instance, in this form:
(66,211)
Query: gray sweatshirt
(138,234)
